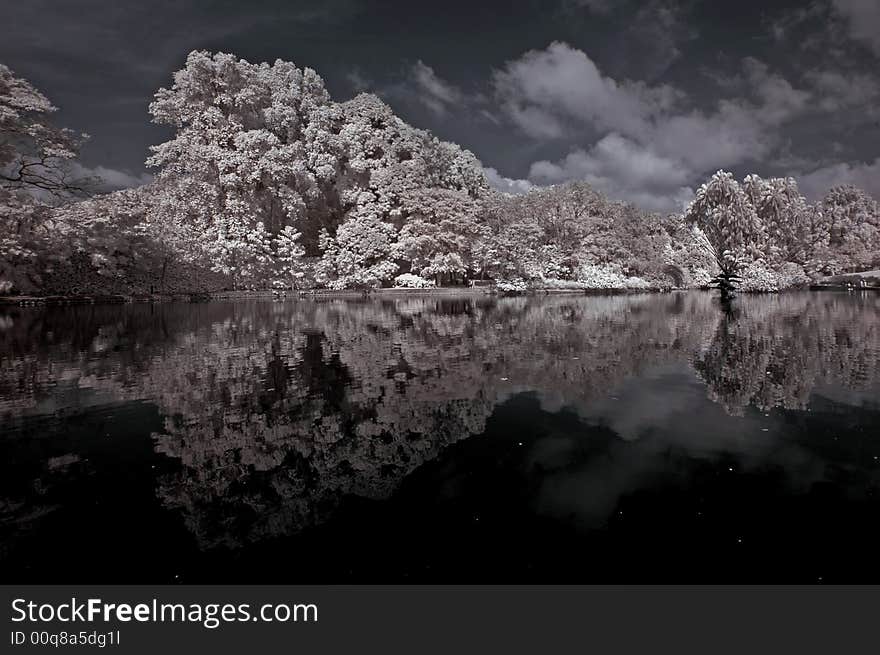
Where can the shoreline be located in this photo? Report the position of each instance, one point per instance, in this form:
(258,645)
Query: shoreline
(120,299)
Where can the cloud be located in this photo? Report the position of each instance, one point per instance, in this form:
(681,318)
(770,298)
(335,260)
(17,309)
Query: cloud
(623,170)
(702,141)
(866,176)
(546,90)
(421,86)
(779,100)
(110,179)
(737,130)
(436,94)
(596,6)
(489,116)
(559,91)
(506,184)
(647,34)
(358,81)
(863,19)
(653,144)
(619,156)
(838,90)
(536,122)
(790,21)
(660,29)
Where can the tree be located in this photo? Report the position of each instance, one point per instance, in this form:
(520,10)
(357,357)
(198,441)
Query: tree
(35,172)
(440,235)
(734,234)
(410,197)
(264,152)
(176,230)
(555,232)
(254,143)
(25,239)
(359,256)
(686,250)
(288,257)
(106,230)
(34,154)
(793,235)
(851,219)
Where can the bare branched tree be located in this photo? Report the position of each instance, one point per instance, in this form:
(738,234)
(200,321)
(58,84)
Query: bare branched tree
(35,155)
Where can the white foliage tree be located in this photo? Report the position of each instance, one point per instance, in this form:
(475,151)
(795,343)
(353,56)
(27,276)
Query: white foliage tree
(786,216)
(851,221)
(726,216)
(254,143)
(398,178)
(289,258)
(359,256)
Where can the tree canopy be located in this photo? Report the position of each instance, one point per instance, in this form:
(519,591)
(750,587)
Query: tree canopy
(267,182)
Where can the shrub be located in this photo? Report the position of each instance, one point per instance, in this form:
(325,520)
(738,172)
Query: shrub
(607,276)
(756,277)
(792,275)
(554,283)
(410,281)
(513,285)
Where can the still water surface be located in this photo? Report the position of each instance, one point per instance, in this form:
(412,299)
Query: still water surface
(649,438)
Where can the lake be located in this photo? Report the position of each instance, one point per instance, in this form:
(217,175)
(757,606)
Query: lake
(629,438)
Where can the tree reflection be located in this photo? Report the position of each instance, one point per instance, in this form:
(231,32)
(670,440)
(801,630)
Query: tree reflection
(276,412)
(774,352)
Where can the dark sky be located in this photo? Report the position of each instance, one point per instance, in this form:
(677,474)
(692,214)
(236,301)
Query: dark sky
(642,99)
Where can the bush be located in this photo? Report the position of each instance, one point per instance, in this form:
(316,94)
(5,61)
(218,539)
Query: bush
(554,283)
(410,281)
(792,275)
(700,276)
(756,277)
(607,276)
(513,285)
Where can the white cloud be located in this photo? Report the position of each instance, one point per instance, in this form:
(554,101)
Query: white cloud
(863,20)
(436,94)
(704,142)
(779,100)
(623,170)
(562,85)
(863,175)
(652,145)
(536,122)
(559,91)
(507,184)
(618,156)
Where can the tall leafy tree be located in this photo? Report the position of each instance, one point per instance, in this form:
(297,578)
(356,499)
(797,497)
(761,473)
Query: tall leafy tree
(852,220)
(726,216)
(254,143)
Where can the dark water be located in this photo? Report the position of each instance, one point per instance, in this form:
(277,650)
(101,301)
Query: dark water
(562,439)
